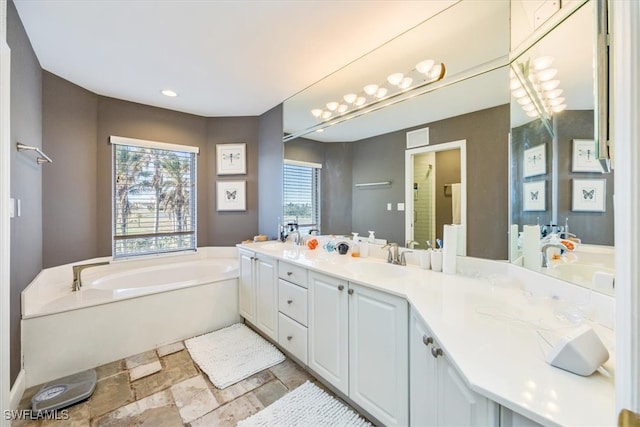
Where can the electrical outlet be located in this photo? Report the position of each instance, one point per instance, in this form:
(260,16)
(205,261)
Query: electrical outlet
(400,207)
(389,206)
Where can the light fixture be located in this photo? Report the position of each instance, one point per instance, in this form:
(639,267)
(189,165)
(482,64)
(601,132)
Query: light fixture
(535,89)
(168,92)
(424,73)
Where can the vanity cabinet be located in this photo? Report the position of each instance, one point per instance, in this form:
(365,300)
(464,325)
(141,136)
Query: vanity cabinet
(358,343)
(292,307)
(438,394)
(258,291)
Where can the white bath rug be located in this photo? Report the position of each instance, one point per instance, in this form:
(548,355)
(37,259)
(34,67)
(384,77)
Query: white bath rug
(308,405)
(232,354)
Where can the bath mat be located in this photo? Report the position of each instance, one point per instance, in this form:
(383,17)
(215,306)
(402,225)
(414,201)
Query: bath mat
(308,405)
(232,354)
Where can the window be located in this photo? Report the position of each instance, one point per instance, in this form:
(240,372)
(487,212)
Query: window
(154,197)
(302,194)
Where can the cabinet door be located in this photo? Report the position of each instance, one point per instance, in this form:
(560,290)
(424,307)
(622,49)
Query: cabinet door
(328,329)
(246,286)
(378,354)
(458,405)
(267,296)
(423,387)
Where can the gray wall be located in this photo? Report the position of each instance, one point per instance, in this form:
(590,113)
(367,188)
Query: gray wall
(26,175)
(270,152)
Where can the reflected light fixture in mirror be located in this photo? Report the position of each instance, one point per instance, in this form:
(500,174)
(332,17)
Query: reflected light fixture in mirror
(425,73)
(534,87)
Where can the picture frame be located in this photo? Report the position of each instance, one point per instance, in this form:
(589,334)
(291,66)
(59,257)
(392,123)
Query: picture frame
(534,197)
(584,158)
(231,195)
(589,195)
(231,159)
(535,161)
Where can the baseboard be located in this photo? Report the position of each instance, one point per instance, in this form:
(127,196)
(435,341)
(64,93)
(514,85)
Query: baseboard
(17,391)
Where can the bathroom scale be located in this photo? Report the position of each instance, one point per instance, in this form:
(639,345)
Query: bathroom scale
(63,392)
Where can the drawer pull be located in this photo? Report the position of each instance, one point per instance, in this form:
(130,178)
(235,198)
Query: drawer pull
(436,351)
(350,291)
(289,301)
(289,273)
(427,340)
(289,337)
(340,287)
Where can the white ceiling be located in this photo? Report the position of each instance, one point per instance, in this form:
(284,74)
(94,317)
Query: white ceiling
(224,58)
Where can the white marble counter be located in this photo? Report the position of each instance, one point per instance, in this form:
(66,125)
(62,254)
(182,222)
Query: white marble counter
(488,327)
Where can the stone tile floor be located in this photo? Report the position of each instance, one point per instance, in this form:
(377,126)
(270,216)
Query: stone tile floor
(165,388)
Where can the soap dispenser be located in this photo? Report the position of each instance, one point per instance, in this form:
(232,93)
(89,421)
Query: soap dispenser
(372,237)
(355,247)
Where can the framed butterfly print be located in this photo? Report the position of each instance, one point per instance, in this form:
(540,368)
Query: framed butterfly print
(231,159)
(535,161)
(534,197)
(589,195)
(584,156)
(231,195)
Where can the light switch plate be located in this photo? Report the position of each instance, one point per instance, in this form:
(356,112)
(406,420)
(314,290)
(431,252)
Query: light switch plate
(389,206)
(400,206)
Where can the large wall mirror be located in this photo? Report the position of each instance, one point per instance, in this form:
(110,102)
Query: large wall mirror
(471,38)
(557,180)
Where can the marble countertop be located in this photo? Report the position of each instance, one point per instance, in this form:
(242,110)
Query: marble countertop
(490,327)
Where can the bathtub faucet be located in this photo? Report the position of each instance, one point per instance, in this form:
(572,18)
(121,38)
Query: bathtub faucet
(77,270)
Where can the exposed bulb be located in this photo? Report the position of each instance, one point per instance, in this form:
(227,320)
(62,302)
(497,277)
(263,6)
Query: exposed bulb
(528,107)
(435,71)
(395,78)
(524,101)
(514,84)
(519,93)
(556,101)
(406,83)
(558,108)
(350,98)
(381,92)
(370,89)
(342,108)
(550,85)
(554,93)
(542,62)
(332,106)
(425,66)
(547,74)
(326,115)
(359,102)
(316,112)
(532,113)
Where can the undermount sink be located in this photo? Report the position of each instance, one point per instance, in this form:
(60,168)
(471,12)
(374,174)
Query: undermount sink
(378,269)
(578,272)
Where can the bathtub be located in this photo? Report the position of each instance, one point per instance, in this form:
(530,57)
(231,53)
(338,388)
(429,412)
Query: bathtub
(124,308)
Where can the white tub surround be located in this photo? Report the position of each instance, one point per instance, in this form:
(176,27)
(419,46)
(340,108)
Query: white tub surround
(124,308)
(486,320)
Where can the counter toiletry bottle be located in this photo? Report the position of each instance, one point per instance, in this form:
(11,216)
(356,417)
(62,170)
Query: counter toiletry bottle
(355,247)
(372,237)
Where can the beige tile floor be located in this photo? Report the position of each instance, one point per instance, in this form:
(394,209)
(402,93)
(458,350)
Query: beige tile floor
(165,388)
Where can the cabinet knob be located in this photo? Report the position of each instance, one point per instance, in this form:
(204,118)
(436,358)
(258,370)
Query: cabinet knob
(427,340)
(289,337)
(253,258)
(289,273)
(350,291)
(436,351)
(340,287)
(289,301)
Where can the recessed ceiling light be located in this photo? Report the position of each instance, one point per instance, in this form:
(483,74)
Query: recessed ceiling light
(168,92)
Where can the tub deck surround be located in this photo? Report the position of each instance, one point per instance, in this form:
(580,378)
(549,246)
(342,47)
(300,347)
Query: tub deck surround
(487,321)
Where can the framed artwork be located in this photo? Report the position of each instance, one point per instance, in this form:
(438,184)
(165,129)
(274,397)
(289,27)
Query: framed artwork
(589,195)
(534,196)
(535,161)
(231,195)
(231,159)
(584,156)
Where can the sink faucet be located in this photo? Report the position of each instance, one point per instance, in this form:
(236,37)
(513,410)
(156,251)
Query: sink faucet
(296,238)
(77,270)
(543,249)
(394,254)
(411,244)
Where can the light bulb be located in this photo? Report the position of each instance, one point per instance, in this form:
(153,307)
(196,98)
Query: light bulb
(435,71)
(550,85)
(528,107)
(326,115)
(350,98)
(316,112)
(542,62)
(381,92)
(558,108)
(342,108)
(395,78)
(360,101)
(556,101)
(519,93)
(524,101)
(532,113)
(332,106)
(168,92)
(406,83)
(425,66)
(514,84)
(548,74)
(554,93)
(370,89)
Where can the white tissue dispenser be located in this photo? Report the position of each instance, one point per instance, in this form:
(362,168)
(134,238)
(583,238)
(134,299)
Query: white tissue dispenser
(581,351)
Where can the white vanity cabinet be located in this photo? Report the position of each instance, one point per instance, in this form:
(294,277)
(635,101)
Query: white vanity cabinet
(438,394)
(292,307)
(258,291)
(358,343)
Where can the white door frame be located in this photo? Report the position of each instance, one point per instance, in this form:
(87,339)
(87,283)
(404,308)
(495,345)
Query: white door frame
(408,179)
(5,191)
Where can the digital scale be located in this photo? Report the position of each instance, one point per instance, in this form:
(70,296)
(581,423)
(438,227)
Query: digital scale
(64,391)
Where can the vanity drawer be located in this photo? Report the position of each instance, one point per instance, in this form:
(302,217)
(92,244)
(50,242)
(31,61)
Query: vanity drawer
(292,336)
(293,273)
(292,301)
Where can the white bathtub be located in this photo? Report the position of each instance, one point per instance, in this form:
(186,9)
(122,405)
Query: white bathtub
(124,308)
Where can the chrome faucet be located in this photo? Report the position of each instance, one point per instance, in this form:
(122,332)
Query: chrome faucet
(394,253)
(411,244)
(543,249)
(296,238)
(77,271)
